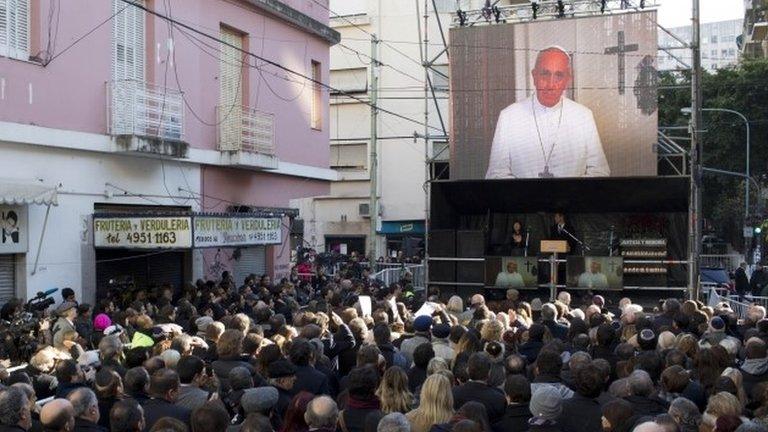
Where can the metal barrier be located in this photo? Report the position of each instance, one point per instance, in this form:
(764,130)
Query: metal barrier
(728,262)
(758,300)
(740,308)
(392,275)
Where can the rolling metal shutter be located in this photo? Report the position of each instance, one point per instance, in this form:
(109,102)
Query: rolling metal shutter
(252,260)
(7,277)
(144,270)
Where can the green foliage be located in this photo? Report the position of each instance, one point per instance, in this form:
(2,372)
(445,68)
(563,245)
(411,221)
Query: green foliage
(743,88)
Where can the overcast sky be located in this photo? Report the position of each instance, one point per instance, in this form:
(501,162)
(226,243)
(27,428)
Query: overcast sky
(677,13)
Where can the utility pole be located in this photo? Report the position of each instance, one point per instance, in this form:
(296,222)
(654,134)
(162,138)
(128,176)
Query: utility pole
(373,206)
(695,210)
(427,154)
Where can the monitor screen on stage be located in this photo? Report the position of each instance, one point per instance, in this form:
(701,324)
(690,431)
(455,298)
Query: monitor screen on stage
(572,97)
(511,272)
(599,273)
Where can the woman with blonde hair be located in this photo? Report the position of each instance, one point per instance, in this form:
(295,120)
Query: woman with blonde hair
(455,306)
(738,379)
(524,313)
(435,404)
(719,405)
(688,344)
(492,331)
(393,391)
(437,364)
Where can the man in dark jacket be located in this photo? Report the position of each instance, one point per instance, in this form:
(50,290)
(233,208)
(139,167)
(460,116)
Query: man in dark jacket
(282,376)
(163,391)
(309,379)
(16,416)
(476,389)
(418,373)
(535,342)
(548,317)
(70,376)
(57,416)
(742,281)
(582,411)
(546,406)
(340,343)
(755,366)
(664,321)
(641,387)
(382,335)
(322,414)
(547,372)
(758,280)
(86,407)
(518,391)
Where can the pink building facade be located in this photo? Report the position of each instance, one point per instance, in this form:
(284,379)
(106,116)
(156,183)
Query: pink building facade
(152,107)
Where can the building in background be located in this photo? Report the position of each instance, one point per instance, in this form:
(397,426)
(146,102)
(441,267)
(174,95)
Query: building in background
(719,48)
(341,220)
(118,128)
(755,33)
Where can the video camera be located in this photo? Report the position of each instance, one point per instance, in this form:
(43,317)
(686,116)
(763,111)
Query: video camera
(41,301)
(20,328)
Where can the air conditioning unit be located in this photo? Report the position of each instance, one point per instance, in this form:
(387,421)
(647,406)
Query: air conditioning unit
(364,210)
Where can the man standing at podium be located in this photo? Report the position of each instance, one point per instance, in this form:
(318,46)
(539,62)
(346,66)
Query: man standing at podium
(510,278)
(594,278)
(562,230)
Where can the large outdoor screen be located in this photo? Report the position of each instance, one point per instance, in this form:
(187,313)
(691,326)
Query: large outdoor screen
(572,97)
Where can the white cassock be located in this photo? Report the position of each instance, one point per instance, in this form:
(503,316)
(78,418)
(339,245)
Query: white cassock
(593,280)
(571,143)
(509,280)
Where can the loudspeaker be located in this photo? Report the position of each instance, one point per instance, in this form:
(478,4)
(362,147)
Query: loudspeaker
(473,272)
(442,271)
(470,244)
(442,243)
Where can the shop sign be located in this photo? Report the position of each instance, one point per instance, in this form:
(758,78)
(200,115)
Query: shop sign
(13,229)
(160,232)
(215,231)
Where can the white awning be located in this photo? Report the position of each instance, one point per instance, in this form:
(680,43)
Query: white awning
(27,193)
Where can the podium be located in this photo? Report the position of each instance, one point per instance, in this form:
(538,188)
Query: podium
(554,247)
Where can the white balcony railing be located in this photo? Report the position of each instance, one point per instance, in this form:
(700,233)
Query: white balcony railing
(246,129)
(144,110)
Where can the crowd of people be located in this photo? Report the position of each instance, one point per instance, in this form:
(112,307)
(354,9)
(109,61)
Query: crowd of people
(347,354)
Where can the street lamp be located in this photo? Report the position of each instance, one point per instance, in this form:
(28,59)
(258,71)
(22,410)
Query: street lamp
(687,111)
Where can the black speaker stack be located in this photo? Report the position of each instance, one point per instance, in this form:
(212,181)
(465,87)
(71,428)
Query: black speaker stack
(463,278)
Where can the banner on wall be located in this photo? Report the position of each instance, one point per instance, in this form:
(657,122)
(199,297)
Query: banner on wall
(230,231)
(151,232)
(13,229)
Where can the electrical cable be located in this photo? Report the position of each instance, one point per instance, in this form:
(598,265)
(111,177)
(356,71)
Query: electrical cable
(272,63)
(88,33)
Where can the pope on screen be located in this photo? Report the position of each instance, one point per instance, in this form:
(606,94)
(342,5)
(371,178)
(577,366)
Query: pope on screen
(594,278)
(547,134)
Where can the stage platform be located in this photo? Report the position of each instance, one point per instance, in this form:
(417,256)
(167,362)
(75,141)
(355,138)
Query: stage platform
(643,220)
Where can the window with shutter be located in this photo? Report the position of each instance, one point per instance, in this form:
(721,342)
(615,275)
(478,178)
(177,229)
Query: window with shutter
(128,41)
(14,29)
(230,94)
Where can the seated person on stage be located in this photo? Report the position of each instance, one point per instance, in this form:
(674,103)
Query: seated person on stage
(510,278)
(593,278)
